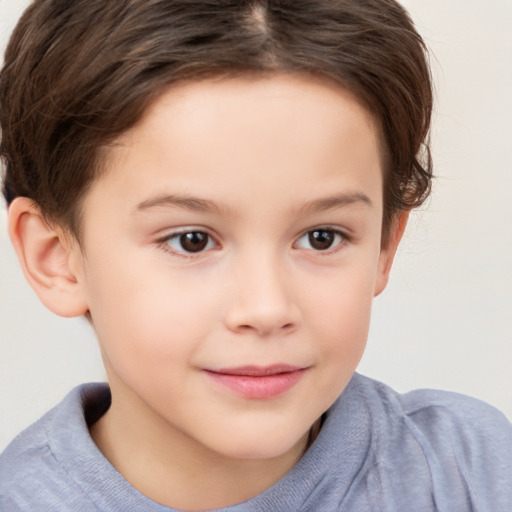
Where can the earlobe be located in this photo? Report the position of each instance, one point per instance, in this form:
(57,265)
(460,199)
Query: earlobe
(387,253)
(44,254)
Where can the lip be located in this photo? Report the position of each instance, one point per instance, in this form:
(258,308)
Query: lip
(257,382)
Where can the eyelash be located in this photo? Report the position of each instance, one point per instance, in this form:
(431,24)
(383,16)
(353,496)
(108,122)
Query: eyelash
(342,237)
(164,242)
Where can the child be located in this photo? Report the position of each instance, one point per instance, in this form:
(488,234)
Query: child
(220,188)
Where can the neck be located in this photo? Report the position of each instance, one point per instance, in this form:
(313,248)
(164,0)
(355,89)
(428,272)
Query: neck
(175,470)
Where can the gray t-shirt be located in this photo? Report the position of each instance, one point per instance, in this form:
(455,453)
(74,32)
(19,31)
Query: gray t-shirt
(377,451)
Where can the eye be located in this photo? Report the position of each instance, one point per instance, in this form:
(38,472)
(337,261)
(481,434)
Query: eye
(190,242)
(320,239)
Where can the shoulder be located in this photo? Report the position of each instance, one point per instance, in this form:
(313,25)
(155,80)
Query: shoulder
(468,437)
(32,467)
(434,411)
(458,409)
(464,442)
(475,430)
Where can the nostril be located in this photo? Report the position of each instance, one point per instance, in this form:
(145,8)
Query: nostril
(265,330)
(263,313)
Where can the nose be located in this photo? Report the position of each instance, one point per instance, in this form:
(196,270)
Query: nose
(262,302)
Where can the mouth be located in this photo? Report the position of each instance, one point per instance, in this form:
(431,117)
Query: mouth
(257,382)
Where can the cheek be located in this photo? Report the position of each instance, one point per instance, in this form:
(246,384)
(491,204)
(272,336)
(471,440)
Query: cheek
(341,317)
(149,320)
(338,325)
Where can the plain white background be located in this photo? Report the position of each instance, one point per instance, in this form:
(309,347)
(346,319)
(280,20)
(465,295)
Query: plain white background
(445,320)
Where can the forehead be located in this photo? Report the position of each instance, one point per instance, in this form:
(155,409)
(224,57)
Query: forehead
(252,99)
(250,133)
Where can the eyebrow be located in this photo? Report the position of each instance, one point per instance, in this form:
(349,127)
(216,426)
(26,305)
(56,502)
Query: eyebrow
(206,206)
(336,201)
(186,202)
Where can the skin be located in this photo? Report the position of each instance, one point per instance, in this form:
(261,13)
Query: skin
(288,156)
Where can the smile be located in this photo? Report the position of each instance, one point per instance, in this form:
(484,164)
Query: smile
(258,382)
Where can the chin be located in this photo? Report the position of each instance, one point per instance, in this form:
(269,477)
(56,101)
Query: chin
(267,446)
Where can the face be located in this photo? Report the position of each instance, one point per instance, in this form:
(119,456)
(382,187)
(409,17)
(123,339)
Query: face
(230,256)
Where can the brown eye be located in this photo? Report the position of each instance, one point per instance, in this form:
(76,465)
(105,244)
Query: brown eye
(194,241)
(190,242)
(320,239)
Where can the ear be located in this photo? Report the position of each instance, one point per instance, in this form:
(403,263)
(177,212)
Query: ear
(47,257)
(388,251)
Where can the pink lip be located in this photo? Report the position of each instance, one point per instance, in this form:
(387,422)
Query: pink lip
(257,381)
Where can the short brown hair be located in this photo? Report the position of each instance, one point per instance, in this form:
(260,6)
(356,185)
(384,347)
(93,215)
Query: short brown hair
(78,73)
